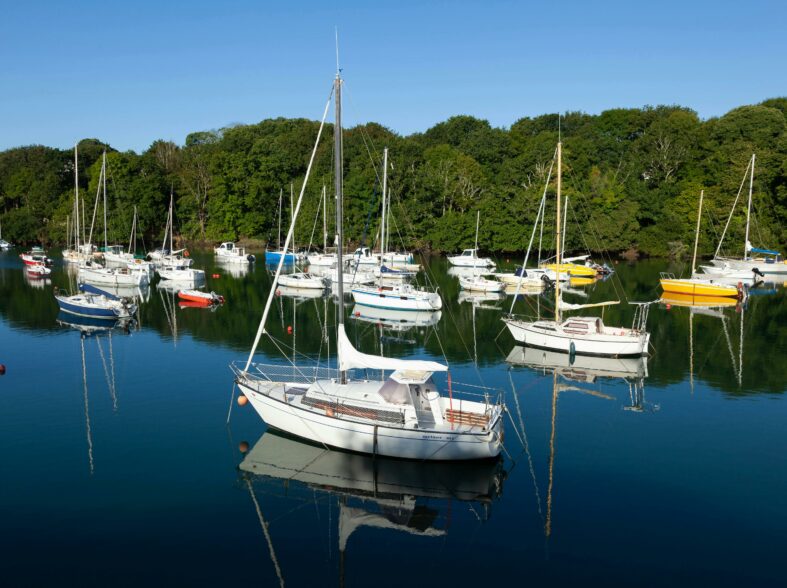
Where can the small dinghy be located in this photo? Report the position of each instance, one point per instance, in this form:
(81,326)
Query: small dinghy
(200,298)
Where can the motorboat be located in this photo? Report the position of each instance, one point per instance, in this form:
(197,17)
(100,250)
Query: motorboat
(231,253)
(201,298)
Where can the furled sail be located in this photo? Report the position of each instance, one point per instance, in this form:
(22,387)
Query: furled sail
(569,306)
(350,358)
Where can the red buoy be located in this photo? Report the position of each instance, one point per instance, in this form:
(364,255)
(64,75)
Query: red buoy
(2,369)
(289,330)
(669,306)
(216,276)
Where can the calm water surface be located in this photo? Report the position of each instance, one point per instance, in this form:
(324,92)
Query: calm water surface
(119,467)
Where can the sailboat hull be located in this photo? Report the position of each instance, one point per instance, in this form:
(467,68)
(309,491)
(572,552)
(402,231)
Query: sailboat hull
(613,342)
(374,439)
(763,265)
(694,287)
(387,299)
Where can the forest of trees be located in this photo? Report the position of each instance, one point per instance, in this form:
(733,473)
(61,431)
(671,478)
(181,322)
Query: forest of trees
(633,178)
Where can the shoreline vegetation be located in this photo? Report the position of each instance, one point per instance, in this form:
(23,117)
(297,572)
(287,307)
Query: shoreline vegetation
(632,184)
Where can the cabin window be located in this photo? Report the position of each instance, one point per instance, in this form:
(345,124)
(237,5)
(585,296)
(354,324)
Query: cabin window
(395,393)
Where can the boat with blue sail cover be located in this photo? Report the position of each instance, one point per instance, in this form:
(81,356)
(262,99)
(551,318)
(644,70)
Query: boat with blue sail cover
(95,303)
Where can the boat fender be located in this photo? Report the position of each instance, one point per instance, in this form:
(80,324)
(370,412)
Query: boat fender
(572,350)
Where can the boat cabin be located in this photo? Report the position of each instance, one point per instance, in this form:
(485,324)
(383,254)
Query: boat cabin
(583,325)
(471,253)
(417,389)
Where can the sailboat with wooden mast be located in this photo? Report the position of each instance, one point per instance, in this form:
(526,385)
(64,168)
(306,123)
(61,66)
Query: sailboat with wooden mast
(579,334)
(400,415)
(697,286)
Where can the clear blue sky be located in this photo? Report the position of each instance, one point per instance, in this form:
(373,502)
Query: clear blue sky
(132,72)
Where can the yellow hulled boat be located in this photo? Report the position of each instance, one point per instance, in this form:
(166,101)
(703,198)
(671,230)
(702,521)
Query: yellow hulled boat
(697,287)
(572,269)
(582,281)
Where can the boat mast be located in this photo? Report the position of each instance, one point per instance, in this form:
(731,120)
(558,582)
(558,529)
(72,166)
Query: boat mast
(565,219)
(171,223)
(104,176)
(324,219)
(292,219)
(281,195)
(76,199)
(557,240)
(748,210)
(338,180)
(697,236)
(385,190)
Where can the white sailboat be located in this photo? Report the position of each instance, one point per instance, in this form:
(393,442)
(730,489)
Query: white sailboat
(170,268)
(763,261)
(475,282)
(397,296)
(400,415)
(91,272)
(580,335)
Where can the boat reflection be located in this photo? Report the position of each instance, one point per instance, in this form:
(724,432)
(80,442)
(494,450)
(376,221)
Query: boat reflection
(396,320)
(404,496)
(585,368)
(233,270)
(95,330)
(300,293)
(478,298)
(37,281)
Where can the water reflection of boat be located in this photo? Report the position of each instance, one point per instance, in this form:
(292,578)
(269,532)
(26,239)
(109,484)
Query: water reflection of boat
(579,367)
(688,300)
(95,329)
(37,281)
(478,298)
(403,496)
(139,294)
(89,326)
(300,293)
(233,270)
(398,320)
(468,272)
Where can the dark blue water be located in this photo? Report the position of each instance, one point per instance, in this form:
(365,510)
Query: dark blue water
(131,475)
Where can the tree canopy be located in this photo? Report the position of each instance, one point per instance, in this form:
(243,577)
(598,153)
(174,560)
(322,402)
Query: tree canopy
(632,178)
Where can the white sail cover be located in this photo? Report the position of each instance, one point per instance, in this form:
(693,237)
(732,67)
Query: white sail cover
(570,306)
(351,358)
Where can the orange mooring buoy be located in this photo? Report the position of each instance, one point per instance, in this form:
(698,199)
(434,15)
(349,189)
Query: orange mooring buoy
(242,400)
(243,446)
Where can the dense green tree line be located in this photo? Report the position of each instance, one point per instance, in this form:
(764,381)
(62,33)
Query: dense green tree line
(632,177)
